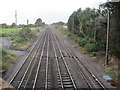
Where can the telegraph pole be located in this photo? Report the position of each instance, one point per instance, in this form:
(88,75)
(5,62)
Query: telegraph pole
(27,23)
(107,41)
(16,19)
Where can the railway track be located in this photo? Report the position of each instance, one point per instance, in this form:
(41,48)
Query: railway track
(64,74)
(53,64)
(20,76)
(86,73)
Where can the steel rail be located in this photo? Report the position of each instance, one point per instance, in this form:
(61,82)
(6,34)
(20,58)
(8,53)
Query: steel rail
(68,50)
(92,74)
(36,76)
(47,64)
(31,62)
(66,65)
(58,66)
(25,59)
(80,67)
(95,78)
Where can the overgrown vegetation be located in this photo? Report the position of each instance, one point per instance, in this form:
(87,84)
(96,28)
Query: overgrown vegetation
(7,59)
(88,28)
(113,73)
(91,26)
(5,32)
(23,38)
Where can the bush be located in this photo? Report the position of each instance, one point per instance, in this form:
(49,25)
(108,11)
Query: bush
(91,47)
(23,38)
(25,34)
(82,42)
(7,59)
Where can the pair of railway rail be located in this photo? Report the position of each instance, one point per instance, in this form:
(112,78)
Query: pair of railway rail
(86,73)
(38,72)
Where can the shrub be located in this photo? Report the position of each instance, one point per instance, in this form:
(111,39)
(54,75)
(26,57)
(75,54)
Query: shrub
(22,38)
(25,34)
(91,47)
(7,59)
(82,42)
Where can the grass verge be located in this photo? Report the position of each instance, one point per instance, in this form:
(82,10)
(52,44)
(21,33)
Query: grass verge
(7,59)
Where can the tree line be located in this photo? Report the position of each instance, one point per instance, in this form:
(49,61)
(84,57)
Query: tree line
(38,23)
(90,25)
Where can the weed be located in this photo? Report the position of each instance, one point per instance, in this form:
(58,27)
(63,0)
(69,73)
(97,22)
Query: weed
(7,59)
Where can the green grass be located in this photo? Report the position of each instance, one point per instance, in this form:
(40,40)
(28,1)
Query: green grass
(12,30)
(8,30)
(7,59)
(114,75)
(21,41)
(21,38)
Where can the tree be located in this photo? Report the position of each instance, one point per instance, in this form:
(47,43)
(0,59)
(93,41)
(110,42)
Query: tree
(43,24)
(4,25)
(92,24)
(114,8)
(13,25)
(38,22)
(59,23)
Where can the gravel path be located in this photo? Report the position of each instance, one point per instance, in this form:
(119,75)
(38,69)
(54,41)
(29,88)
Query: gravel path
(22,55)
(6,43)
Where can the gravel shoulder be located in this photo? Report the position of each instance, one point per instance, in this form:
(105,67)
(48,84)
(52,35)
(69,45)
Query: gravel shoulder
(22,54)
(6,44)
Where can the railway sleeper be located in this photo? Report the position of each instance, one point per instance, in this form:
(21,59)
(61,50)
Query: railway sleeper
(68,86)
(16,81)
(44,56)
(22,85)
(59,57)
(66,77)
(67,83)
(66,80)
(96,85)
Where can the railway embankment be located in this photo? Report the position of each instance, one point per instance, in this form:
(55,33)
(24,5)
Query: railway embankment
(90,52)
(15,46)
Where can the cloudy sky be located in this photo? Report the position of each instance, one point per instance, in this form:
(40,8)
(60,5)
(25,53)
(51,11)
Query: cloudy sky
(48,10)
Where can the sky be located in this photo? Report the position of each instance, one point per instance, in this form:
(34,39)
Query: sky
(48,10)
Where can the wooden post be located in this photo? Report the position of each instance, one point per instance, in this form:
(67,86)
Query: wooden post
(107,41)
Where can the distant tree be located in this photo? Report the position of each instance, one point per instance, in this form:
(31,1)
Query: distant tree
(59,23)
(31,25)
(38,22)
(4,25)
(13,25)
(21,25)
(43,24)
